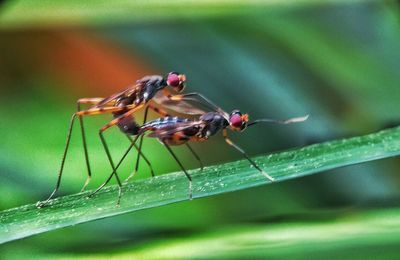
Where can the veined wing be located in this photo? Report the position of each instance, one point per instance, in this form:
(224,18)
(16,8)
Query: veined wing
(116,96)
(182,107)
(168,131)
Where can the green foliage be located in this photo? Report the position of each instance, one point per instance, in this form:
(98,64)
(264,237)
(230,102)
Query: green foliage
(70,210)
(334,233)
(46,13)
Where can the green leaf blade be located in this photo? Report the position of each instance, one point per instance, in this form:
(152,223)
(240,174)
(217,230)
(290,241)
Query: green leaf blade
(170,188)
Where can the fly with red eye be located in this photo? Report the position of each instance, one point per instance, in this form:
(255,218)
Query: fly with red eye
(177,131)
(149,92)
(176,80)
(237,121)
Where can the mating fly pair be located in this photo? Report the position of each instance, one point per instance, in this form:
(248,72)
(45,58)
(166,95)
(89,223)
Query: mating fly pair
(123,106)
(170,131)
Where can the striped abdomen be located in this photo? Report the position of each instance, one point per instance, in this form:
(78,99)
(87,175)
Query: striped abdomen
(173,130)
(163,123)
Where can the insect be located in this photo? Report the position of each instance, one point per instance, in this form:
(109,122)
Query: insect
(123,105)
(172,131)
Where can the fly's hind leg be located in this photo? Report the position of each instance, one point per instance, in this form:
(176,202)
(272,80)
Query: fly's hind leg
(96,111)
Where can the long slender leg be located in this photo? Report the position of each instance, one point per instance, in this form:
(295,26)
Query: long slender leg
(195,155)
(91,101)
(95,101)
(112,165)
(183,169)
(41,204)
(143,156)
(133,141)
(228,141)
(102,110)
(102,130)
(139,150)
(119,163)
(85,150)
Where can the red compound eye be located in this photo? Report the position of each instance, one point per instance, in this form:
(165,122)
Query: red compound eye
(173,80)
(236,120)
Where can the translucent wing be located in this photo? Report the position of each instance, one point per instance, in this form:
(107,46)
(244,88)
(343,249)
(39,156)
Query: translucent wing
(182,107)
(168,131)
(116,96)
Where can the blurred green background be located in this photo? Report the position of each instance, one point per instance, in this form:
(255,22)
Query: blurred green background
(335,60)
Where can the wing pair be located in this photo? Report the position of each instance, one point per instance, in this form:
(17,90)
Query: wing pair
(161,98)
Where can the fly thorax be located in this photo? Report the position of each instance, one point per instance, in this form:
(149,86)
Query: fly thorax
(213,123)
(149,92)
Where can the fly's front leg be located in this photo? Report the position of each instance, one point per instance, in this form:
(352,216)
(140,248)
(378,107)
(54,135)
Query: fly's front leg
(228,141)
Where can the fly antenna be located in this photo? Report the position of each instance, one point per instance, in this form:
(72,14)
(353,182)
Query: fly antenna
(283,122)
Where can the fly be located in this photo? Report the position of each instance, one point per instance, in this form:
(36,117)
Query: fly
(178,131)
(123,105)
